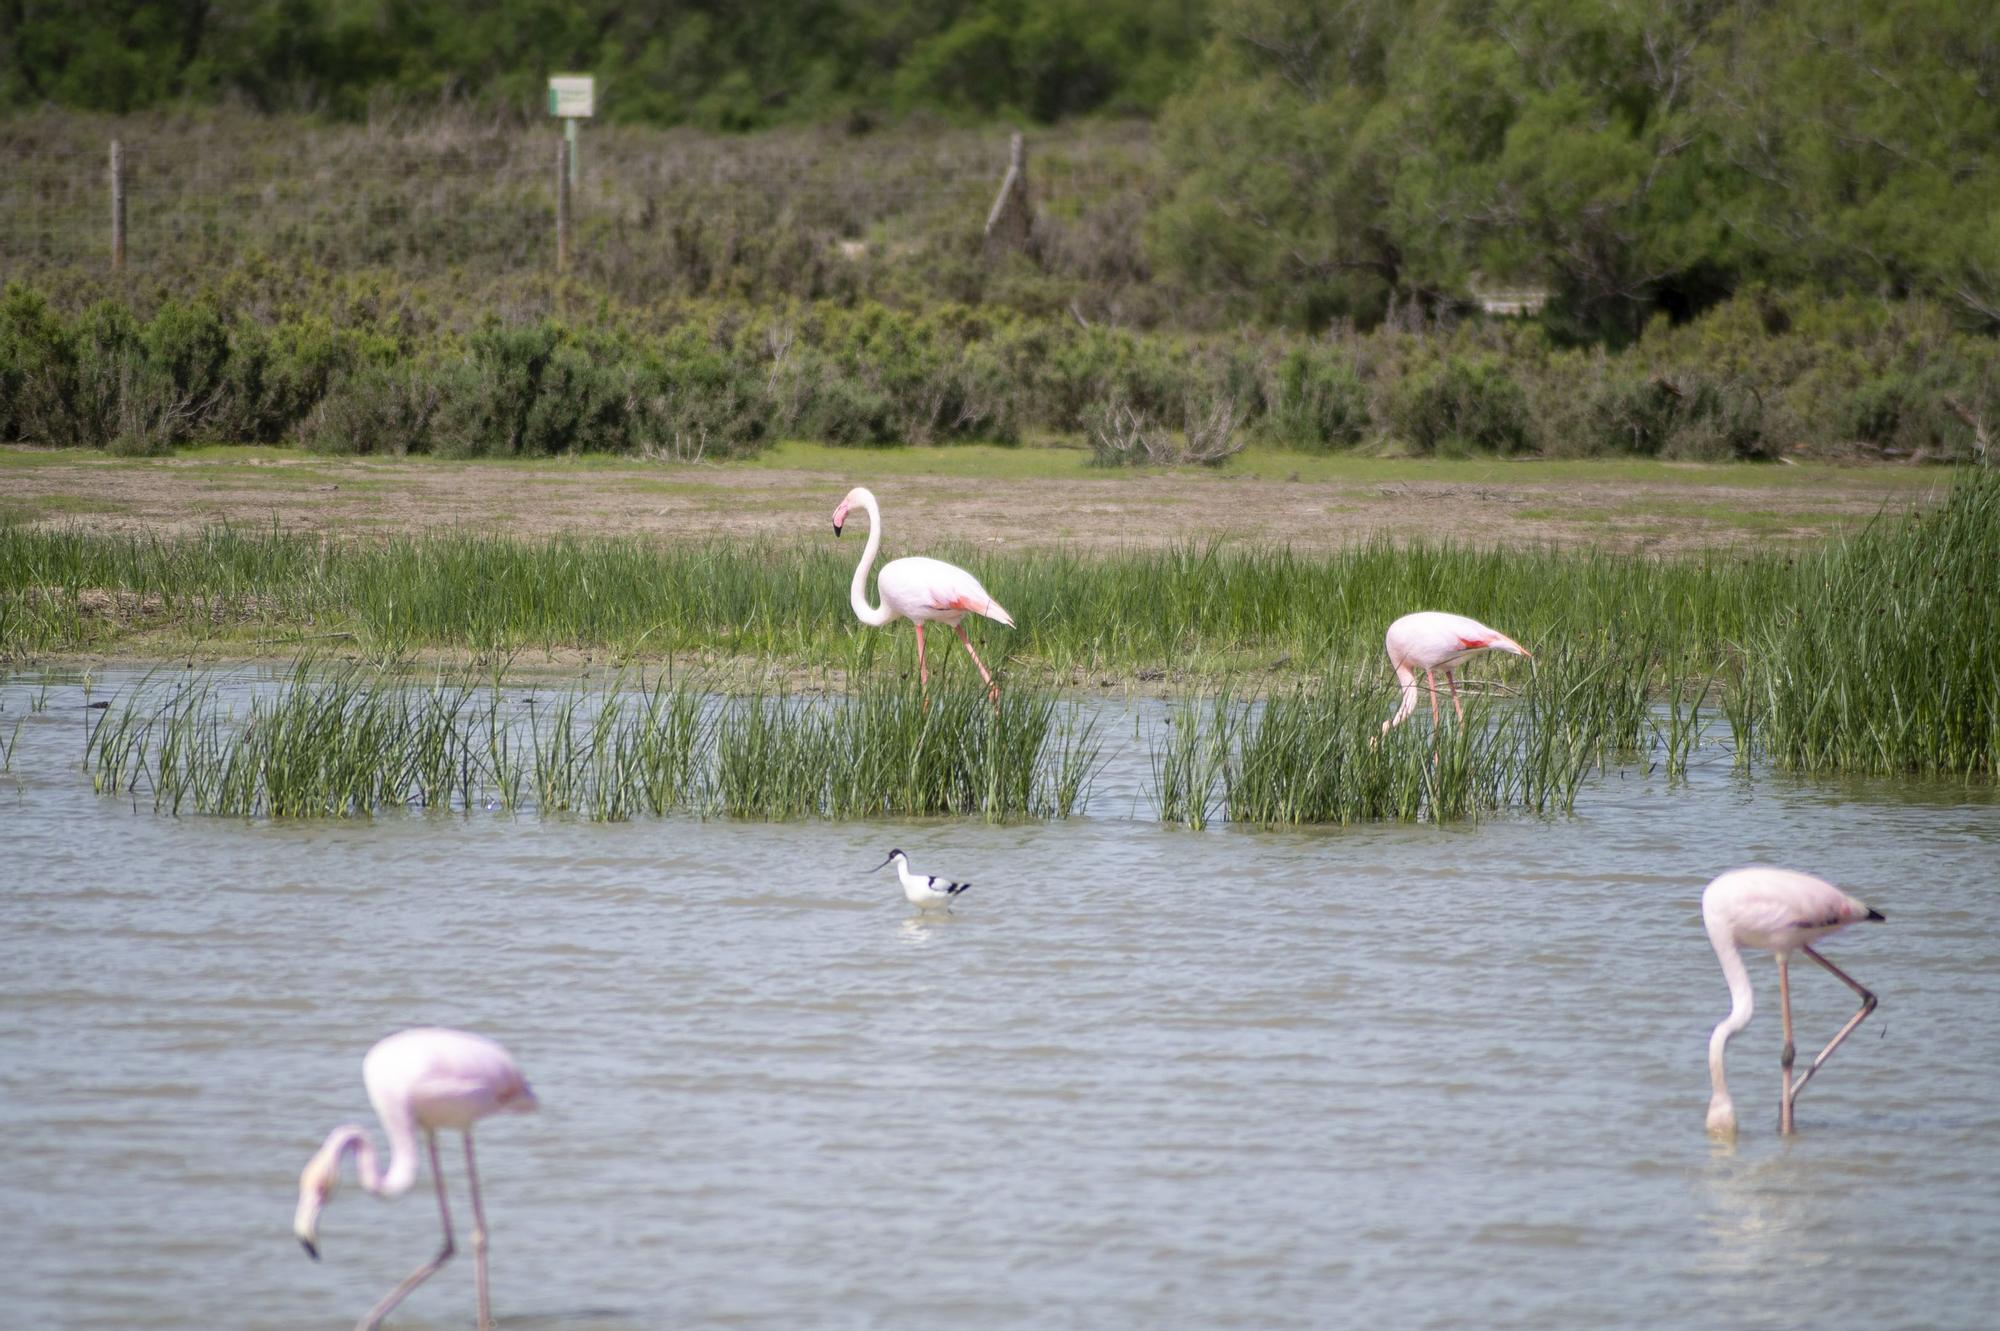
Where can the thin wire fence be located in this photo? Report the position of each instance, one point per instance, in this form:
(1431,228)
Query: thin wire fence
(667,210)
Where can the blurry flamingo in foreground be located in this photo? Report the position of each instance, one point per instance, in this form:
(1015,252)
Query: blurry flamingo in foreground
(918,590)
(1431,640)
(1782,912)
(428,1078)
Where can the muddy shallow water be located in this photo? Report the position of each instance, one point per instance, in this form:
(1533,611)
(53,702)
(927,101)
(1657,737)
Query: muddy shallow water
(1143,1077)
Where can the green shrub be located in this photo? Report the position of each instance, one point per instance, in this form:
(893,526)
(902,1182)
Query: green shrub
(693,400)
(1458,405)
(375,409)
(275,378)
(1316,401)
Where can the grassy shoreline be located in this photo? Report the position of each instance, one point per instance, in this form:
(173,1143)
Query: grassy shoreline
(1868,652)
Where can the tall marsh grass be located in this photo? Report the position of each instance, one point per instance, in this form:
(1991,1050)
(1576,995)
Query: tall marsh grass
(1890,660)
(1875,652)
(1203,610)
(1316,752)
(351,741)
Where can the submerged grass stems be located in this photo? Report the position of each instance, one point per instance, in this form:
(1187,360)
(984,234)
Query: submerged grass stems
(352,741)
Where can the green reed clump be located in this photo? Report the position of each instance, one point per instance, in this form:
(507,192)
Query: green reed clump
(1889,660)
(1317,753)
(353,741)
(1193,756)
(887,750)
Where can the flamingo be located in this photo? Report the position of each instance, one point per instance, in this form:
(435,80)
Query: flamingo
(922,890)
(1432,640)
(1785,912)
(428,1078)
(917,589)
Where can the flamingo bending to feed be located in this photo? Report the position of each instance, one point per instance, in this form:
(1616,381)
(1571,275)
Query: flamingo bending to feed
(1782,912)
(1432,640)
(917,589)
(428,1078)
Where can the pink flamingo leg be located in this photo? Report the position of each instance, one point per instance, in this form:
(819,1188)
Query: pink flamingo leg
(1867,1006)
(1786,1055)
(1453,684)
(478,1239)
(1406,680)
(428,1269)
(1431,680)
(923,670)
(992,689)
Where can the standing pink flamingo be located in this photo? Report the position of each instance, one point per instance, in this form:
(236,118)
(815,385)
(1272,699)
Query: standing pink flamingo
(427,1078)
(1785,912)
(1432,640)
(918,590)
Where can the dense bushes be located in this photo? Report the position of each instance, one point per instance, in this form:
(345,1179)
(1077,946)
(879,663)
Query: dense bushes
(387,371)
(1341,160)
(1458,406)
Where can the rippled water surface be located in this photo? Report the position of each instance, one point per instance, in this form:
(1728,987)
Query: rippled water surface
(1381,1076)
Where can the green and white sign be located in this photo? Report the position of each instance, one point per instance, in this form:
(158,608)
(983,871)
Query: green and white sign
(572,95)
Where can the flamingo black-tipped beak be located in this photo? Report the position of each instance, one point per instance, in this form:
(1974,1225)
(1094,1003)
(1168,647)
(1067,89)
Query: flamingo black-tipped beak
(311,1251)
(836,529)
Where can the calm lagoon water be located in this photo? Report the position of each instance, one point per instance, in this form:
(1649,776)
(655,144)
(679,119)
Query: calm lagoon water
(1143,1077)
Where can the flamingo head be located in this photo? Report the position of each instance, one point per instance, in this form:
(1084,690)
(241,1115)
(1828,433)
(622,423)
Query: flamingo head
(840,511)
(316,1186)
(894,855)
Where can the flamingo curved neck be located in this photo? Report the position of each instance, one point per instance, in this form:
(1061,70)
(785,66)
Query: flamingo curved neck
(858,593)
(402,1171)
(1721,1109)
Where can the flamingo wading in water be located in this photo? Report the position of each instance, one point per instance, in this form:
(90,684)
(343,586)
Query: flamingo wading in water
(1782,912)
(427,1078)
(917,589)
(1431,640)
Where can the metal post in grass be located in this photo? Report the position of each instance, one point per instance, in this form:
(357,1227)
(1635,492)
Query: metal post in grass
(562,205)
(117,206)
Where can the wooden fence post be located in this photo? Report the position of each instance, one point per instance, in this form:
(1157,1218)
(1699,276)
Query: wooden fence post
(1012,217)
(562,205)
(117,206)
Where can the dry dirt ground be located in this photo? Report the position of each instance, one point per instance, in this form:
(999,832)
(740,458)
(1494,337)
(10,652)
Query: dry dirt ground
(1613,505)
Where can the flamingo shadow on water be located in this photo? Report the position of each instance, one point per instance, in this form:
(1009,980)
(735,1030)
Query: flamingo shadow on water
(917,589)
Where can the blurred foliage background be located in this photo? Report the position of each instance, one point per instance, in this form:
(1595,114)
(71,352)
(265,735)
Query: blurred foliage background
(1739,227)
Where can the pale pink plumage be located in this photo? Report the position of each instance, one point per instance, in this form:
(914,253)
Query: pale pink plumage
(1433,640)
(428,1078)
(1779,911)
(917,589)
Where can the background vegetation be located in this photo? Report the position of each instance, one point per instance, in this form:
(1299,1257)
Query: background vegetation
(1314,161)
(355,365)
